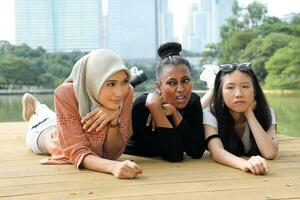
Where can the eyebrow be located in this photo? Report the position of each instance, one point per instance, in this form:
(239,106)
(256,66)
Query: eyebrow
(234,83)
(171,78)
(113,80)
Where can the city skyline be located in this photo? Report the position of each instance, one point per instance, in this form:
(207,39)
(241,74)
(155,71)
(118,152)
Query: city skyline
(275,8)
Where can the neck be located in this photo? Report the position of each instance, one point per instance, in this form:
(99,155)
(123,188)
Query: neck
(237,117)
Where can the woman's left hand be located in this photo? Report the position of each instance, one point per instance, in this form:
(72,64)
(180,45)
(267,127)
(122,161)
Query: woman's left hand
(256,165)
(98,118)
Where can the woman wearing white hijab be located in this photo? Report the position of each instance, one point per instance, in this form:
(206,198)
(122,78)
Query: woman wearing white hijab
(92,122)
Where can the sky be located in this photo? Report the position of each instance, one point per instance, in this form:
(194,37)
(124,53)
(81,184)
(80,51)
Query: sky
(276,8)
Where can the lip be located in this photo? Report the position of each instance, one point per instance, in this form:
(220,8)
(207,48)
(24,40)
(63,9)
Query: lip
(118,101)
(184,98)
(239,102)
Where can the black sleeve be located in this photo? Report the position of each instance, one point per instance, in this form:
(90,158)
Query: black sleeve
(164,142)
(169,144)
(191,130)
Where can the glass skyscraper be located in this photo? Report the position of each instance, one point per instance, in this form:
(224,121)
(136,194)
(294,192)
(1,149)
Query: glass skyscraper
(59,25)
(131,28)
(128,27)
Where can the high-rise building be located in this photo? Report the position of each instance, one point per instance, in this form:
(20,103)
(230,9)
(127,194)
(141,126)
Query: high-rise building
(205,18)
(197,23)
(165,22)
(131,28)
(58,25)
(222,10)
(34,23)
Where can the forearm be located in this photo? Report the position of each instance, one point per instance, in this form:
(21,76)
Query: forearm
(98,164)
(267,146)
(177,118)
(159,117)
(113,142)
(168,144)
(192,139)
(206,99)
(222,156)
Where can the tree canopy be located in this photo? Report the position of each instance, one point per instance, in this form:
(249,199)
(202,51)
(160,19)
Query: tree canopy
(251,36)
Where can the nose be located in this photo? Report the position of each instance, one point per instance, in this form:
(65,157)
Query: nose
(180,88)
(239,92)
(118,91)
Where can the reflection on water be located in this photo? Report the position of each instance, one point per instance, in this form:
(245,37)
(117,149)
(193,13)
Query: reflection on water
(287,111)
(11,106)
(286,107)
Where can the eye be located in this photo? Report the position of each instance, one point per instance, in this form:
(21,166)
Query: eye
(110,84)
(125,82)
(186,80)
(229,88)
(246,86)
(172,83)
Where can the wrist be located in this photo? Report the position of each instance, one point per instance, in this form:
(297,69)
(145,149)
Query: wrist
(112,166)
(248,113)
(114,123)
(154,106)
(244,165)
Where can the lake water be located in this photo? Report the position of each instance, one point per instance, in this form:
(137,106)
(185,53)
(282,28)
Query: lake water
(286,106)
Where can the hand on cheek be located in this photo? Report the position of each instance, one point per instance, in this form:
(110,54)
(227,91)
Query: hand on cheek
(251,108)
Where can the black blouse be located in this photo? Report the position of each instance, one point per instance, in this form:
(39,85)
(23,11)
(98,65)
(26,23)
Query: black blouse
(169,143)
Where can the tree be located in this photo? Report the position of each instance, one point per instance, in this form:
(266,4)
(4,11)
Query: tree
(210,54)
(17,71)
(257,12)
(260,50)
(232,48)
(284,67)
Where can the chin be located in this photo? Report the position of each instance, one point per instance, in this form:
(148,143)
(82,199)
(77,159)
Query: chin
(239,110)
(113,107)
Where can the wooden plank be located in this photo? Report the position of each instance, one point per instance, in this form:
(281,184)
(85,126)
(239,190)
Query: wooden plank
(22,177)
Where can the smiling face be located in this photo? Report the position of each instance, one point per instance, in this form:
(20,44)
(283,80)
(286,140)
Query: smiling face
(113,91)
(175,85)
(237,91)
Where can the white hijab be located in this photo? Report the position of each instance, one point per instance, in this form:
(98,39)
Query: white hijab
(89,74)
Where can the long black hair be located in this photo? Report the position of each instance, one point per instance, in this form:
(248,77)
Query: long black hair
(230,139)
(170,55)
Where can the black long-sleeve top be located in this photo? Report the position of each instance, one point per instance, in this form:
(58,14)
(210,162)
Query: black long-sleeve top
(169,143)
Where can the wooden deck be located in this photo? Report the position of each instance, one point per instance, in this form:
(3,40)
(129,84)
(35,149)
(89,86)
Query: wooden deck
(22,177)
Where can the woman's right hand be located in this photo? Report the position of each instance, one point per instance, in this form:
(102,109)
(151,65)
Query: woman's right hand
(256,165)
(153,99)
(98,118)
(126,170)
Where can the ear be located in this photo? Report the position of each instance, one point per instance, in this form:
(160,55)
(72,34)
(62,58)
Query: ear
(158,86)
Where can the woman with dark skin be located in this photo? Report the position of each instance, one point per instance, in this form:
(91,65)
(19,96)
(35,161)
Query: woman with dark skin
(168,122)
